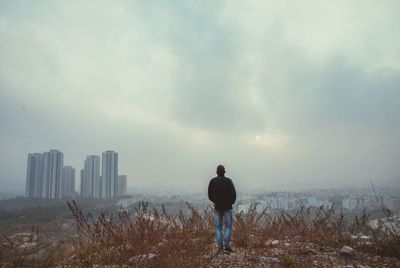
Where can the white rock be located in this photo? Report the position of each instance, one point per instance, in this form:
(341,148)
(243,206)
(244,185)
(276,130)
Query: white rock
(149,259)
(347,251)
(28,245)
(275,242)
(273,260)
(64,226)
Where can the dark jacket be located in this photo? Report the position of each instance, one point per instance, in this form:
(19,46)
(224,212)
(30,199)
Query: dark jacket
(222,193)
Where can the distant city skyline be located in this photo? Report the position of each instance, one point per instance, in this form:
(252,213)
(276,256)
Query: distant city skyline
(136,186)
(47,177)
(284,94)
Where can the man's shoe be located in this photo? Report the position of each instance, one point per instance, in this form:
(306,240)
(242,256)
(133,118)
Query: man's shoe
(219,250)
(228,250)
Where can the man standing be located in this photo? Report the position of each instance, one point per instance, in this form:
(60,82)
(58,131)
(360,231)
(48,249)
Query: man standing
(222,193)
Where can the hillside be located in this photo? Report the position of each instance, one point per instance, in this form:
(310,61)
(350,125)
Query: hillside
(152,238)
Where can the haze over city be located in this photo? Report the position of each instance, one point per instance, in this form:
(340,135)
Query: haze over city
(285,96)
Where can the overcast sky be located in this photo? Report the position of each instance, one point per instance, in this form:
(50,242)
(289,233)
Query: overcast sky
(285,94)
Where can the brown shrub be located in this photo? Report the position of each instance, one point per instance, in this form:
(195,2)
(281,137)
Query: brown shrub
(321,226)
(174,240)
(152,238)
(13,255)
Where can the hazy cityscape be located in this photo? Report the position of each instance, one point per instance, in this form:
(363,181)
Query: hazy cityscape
(47,177)
(101,190)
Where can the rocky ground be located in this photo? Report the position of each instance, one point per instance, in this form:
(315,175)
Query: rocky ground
(275,253)
(36,240)
(284,254)
(280,253)
(59,235)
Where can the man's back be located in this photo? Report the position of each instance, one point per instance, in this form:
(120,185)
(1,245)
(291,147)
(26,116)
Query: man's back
(222,193)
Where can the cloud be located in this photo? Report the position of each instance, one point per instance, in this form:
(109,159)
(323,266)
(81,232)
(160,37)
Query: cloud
(179,87)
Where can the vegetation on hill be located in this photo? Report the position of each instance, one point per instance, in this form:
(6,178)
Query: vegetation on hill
(154,238)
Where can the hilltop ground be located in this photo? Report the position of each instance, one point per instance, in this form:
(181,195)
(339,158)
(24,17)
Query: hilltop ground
(149,238)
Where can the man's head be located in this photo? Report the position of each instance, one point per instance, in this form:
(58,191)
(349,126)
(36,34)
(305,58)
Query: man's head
(220,170)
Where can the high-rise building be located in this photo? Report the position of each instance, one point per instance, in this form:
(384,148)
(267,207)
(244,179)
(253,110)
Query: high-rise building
(91,177)
(38,189)
(30,176)
(53,163)
(68,181)
(83,190)
(109,184)
(101,185)
(44,172)
(122,185)
(34,175)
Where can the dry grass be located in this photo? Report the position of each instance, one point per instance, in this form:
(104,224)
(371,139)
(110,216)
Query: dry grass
(321,226)
(174,240)
(12,255)
(187,241)
(152,238)
(318,225)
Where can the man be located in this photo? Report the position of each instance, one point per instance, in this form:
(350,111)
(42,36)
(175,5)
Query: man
(222,193)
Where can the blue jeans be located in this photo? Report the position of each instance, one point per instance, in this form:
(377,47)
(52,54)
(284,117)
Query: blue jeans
(219,215)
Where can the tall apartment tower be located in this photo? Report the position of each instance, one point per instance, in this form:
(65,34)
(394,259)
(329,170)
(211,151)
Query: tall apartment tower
(91,177)
(122,185)
(53,163)
(82,190)
(68,181)
(109,174)
(34,175)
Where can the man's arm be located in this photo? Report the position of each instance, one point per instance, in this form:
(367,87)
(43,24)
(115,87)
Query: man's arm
(211,191)
(233,193)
